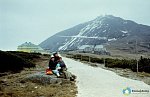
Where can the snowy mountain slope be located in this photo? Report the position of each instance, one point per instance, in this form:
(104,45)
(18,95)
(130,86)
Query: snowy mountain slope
(103,29)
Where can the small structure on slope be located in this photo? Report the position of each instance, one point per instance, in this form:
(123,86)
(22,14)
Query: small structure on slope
(31,48)
(97,49)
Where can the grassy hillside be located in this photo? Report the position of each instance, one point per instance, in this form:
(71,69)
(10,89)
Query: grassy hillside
(16,61)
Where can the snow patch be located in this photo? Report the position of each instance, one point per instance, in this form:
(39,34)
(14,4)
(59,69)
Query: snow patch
(125,22)
(104,31)
(112,39)
(124,32)
(66,39)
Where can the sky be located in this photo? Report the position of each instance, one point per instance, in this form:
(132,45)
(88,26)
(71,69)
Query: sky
(36,20)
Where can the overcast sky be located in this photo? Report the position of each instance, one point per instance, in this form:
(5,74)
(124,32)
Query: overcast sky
(36,20)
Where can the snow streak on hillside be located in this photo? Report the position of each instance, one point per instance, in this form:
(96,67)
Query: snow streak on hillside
(96,24)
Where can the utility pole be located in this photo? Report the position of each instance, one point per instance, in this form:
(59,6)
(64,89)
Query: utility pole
(81,57)
(104,62)
(137,64)
(89,59)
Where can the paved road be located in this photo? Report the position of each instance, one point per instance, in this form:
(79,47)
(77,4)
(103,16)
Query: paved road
(97,82)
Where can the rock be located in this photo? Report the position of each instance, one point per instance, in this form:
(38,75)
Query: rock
(22,81)
(22,86)
(71,91)
(3,80)
(42,78)
(69,75)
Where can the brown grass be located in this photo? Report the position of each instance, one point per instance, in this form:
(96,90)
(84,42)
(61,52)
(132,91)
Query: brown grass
(11,85)
(35,90)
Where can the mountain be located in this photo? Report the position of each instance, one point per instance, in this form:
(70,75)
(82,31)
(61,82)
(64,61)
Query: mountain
(106,30)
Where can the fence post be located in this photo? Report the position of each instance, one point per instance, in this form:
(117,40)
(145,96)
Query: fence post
(137,64)
(104,62)
(136,51)
(89,59)
(81,57)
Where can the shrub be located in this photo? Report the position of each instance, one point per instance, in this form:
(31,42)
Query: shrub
(25,55)
(47,55)
(12,62)
(97,60)
(120,63)
(85,58)
(143,63)
(77,56)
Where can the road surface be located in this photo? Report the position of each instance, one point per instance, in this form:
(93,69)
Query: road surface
(97,82)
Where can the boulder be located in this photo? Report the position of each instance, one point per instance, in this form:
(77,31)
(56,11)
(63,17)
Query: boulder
(42,78)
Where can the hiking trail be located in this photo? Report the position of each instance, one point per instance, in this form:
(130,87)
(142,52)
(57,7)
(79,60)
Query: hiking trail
(98,82)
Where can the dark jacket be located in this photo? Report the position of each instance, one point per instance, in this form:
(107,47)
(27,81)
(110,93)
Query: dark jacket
(56,59)
(62,64)
(52,65)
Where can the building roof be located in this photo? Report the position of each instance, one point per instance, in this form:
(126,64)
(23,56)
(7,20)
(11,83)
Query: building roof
(29,45)
(99,46)
(85,46)
(90,46)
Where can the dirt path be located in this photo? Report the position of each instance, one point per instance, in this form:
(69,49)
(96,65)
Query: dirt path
(97,82)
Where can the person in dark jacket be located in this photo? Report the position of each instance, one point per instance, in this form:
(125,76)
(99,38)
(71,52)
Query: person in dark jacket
(56,57)
(52,64)
(62,63)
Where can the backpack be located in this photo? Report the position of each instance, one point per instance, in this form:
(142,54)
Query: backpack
(49,71)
